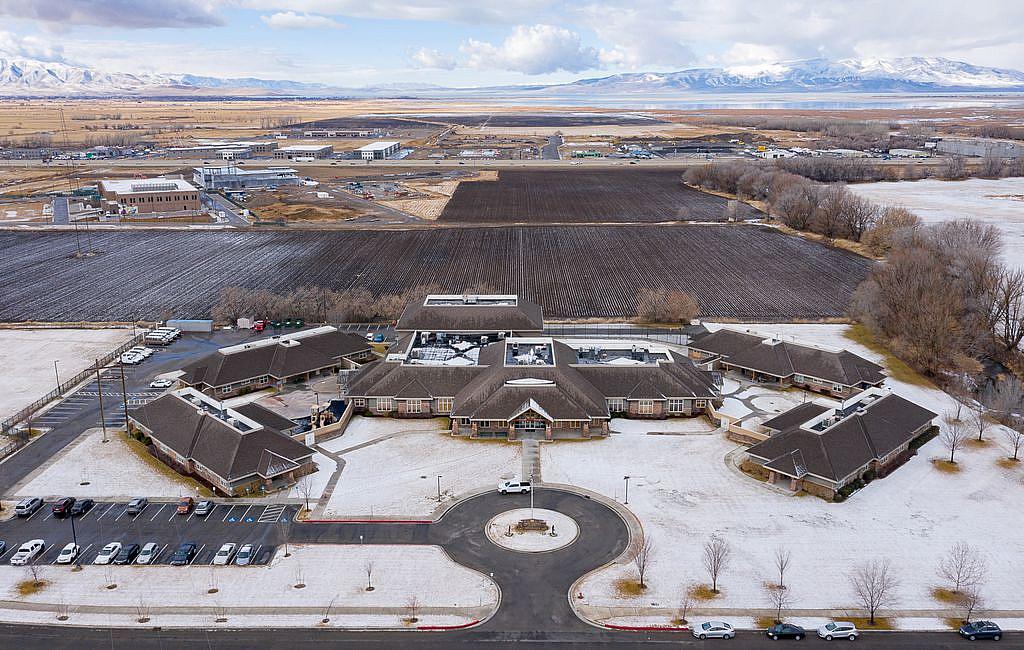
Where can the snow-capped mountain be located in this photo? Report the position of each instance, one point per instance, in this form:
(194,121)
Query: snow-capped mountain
(20,76)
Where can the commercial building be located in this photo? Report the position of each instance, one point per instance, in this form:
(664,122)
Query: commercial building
(981,147)
(300,151)
(148,195)
(222,149)
(276,361)
(378,150)
(238,178)
(482,361)
(237,451)
(834,372)
(822,450)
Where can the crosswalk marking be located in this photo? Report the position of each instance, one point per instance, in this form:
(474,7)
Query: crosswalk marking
(271,513)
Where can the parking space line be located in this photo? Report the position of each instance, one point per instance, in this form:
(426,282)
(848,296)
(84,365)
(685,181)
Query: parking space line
(190,515)
(174,513)
(29,518)
(198,553)
(228,514)
(158,554)
(242,518)
(158,512)
(121,514)
(82,552)
(255,555)
(109,508)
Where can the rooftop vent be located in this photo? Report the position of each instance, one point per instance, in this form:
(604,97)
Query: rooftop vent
(154,187)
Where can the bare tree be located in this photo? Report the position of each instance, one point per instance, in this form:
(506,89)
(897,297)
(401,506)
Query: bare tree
(685,603)
(368,568)
(963,566)
(666,306)
(326,618)
(954,437)
(1008,313)
(779,599)
(300,577)
(782,560)
(1015,439)
(978,421)
(1004,399)
(716,559)
(970,601)
(412,606)
(642,559)
(305,488)
(142,611)
(875,585)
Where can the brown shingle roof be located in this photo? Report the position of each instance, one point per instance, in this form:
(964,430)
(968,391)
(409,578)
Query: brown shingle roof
(525,316)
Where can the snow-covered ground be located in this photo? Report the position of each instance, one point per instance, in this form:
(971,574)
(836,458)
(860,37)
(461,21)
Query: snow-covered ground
(334,575)
(997,202)
(364,429)
(109,470)
(27,358)
(683,489)
(676,426)
(397,476)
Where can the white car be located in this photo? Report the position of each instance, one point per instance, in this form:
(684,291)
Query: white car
(28,552)
(108,553)
(131,358)
(838,630)
(244,557)
(224,555)
(713,630)
(141,351)
(68,553)
(515,486)
(148,553)
(161,383)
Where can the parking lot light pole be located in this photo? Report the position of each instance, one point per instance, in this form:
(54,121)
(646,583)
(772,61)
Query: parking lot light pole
(626,479)
(74,536)
(439,488)
(55,373)
(99,393)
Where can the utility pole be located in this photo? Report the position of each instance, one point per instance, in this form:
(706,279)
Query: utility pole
(531,496)
(124,394)
(626,479)
(99,392)
(56,374)
(439,488)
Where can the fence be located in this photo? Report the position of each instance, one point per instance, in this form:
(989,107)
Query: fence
(8,426)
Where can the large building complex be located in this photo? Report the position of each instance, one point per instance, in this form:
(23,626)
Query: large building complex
(238,178)
(226,149)
(300,151)
(148,195)
(482,361)
(378,150)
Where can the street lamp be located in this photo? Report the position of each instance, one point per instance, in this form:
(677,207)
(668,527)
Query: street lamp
(439,488)
(626,479)
(74,536)
(55,373)
(531,496)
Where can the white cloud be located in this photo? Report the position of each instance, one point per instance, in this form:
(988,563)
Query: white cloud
(30,47)
(431,59)
(292,20)
(534,49)
(132,14)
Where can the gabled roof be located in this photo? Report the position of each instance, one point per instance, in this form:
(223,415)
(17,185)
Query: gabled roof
(849,445)
(795,416)
(524,316)
(783,358)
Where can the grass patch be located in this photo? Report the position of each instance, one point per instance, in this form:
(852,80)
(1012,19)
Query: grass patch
(1008,463)
(628,587)
(764,622)
(703,592)
(863,623)
(953,623)
(30,587)
(945,466)
(974,442)
(142,452)
(944,595)
(897,368)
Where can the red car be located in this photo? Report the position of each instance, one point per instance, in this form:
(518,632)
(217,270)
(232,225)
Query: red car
(62,507)
(259,326)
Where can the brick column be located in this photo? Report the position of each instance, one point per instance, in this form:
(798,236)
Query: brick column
(474,430)
(511,432)
(547,432)
(586,429)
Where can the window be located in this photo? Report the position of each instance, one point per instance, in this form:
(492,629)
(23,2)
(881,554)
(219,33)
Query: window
(800,379)
(358,402)
(837,388)
(414,406)
(574,424)
(676,405)
(646,407)
(384,404)
(444,404)
(226,389)
(484,424)
(615,405)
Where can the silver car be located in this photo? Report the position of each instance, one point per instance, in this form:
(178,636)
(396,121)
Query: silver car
(245,555)
(713,630)
(224,555)
(148,553)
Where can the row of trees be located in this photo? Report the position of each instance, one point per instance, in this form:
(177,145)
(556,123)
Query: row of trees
(666,306)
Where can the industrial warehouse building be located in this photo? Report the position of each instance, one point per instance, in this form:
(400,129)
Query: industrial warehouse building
(378,150)
(299,151)
(237,178)
(226,149)
(482,361)
(148,195)
(276,361)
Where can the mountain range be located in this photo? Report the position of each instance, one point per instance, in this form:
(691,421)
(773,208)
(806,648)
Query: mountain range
(24,77)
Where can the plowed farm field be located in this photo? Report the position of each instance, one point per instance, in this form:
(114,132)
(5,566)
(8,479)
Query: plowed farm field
(587,196)
(741,271)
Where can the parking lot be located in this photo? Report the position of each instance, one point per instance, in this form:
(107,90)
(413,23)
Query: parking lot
(262,525)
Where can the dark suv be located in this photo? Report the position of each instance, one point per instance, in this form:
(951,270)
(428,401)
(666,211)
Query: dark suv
(62,507)
(183,555)
(785,631)
(81,507)
(127,555)
(981,630)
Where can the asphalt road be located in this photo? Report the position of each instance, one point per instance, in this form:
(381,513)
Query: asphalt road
(230,210)
(61,210)
(550,150)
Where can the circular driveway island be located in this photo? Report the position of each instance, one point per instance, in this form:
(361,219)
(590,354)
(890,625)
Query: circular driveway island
(557,531)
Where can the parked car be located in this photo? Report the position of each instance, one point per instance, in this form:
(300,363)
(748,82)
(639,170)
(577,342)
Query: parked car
(3,546)
(28,507)
(515,486)
(259,326)
(142,351)
(62,507)
(131,359)
(148,553)
(127,554)
(183,555)
(137,505)
(81,507)
(838,630)
(225,554)
(108,553)
(28,552)
(245,555)
(68,553)
(713,630)
(185,505)
(204,508)
(785,631)
(378,338)
(161,383)
(981,630)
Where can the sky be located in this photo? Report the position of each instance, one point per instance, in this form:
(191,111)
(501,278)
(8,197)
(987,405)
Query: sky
(491,42)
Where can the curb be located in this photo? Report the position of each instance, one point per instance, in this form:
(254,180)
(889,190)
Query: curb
(646,628)
(367,521)
(447,628)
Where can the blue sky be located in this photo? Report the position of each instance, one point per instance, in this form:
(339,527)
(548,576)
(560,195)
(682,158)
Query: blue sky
(483,42)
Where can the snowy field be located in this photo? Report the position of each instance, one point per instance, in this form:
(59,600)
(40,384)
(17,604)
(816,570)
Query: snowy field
(397,476)
(112,470)
(27,358)
(683,489)
(997,202)
(329,573)
(364,429)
